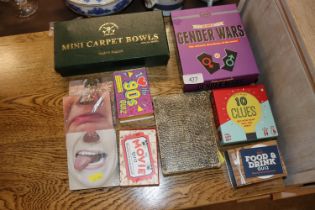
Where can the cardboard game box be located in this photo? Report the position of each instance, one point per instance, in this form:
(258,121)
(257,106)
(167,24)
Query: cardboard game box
(243,114)
(90,135)
(186,132)
(132,93)
(138,157)
(106,43)
(255,163)
(213,48)
(92,159)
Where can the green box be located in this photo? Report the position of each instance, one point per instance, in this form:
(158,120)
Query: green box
(110,43)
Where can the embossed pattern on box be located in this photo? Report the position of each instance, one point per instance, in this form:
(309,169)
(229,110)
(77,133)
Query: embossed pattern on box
(186,132)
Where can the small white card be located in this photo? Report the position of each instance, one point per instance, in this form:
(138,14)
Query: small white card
(191,79)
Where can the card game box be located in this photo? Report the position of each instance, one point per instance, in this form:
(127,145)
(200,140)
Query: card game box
(138,157)
(92,158)
(110,42)
(132,94)
(243,114)
(254,163)
(91,91)
(90,135)
(214,50)
(89,106)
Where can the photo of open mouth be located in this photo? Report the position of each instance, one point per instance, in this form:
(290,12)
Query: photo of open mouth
(87,118)
(89,159)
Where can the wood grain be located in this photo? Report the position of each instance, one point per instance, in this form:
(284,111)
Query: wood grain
(57,11)
(290,192)
(33,166)
(285,74)
(301,17)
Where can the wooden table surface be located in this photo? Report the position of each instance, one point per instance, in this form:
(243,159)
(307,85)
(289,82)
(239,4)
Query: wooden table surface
(33,165)
(56,10)
(301,15)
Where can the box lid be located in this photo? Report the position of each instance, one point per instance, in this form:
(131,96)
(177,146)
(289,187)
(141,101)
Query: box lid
(213,34)
(109,39)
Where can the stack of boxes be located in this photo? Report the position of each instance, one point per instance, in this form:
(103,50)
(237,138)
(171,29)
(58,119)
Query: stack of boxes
(215,54)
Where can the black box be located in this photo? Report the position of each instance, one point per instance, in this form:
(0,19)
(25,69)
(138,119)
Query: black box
(110,43)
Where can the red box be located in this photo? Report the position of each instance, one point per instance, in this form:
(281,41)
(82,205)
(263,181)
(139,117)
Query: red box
(243,114)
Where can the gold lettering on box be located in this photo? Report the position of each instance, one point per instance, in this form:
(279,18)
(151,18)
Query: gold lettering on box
(95,44)
(142,39)
(89,44)
(104,53)
(117,51)
(128,39)
(65,47)
(71,46)
(120,40)
(102,43)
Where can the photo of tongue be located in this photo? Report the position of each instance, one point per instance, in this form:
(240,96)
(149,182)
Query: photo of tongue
(82,160)
(86,146)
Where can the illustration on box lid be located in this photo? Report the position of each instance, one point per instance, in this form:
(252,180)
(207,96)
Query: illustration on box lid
(243,114)
(213,48)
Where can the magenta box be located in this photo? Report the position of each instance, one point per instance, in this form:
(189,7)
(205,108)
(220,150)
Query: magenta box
(213,48)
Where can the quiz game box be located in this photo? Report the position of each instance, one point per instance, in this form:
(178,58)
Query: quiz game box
(132,93)
(243,114)
(254,163)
